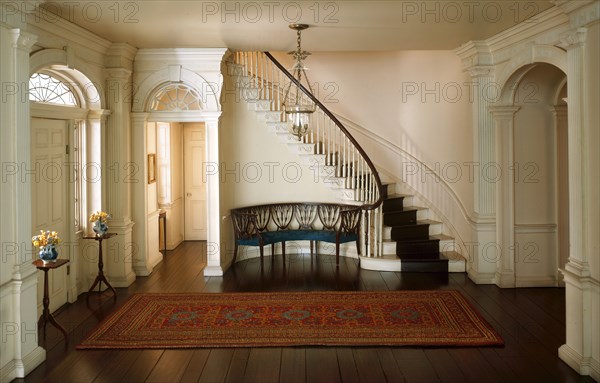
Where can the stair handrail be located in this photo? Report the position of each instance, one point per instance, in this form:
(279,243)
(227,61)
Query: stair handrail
(340,126)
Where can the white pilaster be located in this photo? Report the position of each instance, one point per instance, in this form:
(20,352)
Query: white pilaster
(582,347)
(214,244)
(477,60)
(504,254)
(560,116)
(19,350)
(120,250)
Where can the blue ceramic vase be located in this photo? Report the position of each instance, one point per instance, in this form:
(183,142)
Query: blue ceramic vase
(48,254)
(100,228)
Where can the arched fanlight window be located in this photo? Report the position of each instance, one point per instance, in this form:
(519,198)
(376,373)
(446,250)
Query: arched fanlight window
(176,97)
(45,88)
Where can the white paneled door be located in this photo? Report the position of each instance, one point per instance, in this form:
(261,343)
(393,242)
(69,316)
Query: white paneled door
(50,196)
(194,151)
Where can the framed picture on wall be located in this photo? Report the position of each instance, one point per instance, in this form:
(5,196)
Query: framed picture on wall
(151,168)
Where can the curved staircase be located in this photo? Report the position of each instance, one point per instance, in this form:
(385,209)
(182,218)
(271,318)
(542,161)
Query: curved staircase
(396,234)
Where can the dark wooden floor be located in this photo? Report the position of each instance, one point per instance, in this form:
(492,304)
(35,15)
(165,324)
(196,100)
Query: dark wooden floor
(531,322)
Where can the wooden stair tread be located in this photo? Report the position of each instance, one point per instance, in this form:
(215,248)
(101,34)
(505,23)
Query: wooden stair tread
(452,255)
(419,222)
(398,195)
(441,237)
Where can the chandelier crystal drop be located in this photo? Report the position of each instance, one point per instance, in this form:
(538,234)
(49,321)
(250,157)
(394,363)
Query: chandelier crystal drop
(296,105)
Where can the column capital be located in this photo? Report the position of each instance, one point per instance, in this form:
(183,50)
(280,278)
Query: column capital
(138,116)
(474,53)
(504,111)
(120,55)
(573,38)
(558,110)
(22,40)
(481,71)
(98,114)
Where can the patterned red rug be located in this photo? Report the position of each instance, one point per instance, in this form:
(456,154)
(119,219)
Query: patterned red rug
(392,318)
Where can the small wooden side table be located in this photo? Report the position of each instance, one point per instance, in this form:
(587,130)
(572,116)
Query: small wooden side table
(46,315)
(101,277)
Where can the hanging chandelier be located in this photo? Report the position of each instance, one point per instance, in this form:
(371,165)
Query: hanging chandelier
(297,107)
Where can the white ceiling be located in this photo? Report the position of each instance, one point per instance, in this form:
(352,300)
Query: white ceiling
(351,25)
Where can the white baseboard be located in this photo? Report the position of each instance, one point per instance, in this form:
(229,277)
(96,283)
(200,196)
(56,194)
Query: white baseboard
(482,278)
(20,368)
(583,366)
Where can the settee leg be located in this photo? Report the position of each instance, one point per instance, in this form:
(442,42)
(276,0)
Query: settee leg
(283,249)
(262,252)
(311,247)
(337,254)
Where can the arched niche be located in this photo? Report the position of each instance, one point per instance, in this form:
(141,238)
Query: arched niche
(521,62)
(531,145)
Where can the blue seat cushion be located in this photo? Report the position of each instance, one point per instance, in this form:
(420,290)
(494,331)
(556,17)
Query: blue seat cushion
(270,237)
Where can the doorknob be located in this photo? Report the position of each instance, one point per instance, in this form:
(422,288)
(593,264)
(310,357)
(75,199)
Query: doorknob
(188,194)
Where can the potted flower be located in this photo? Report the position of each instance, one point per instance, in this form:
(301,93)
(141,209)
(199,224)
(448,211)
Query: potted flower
(99,218)
(46,241)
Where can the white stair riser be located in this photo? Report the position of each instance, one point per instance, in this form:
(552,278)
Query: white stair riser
(278,127)
(269,116)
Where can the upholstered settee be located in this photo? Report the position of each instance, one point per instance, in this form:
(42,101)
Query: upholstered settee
(282,222)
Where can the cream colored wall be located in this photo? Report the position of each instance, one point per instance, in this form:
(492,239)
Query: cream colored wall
(418,101)
(256,167)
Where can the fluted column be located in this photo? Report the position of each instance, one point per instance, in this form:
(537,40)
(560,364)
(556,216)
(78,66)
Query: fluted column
(118,172)
(560,116)
(581,285)
(503,253)
(92,191)
(18,279)
(483,92)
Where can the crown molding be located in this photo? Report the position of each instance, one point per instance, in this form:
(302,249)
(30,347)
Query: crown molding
(528,29)
(67,32)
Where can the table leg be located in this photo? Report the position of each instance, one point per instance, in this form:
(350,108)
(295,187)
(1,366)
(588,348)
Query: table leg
(46,315)
(100,277)
(165,234)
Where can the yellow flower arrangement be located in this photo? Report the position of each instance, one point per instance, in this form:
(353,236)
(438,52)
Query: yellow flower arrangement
(45,238)
(99,216)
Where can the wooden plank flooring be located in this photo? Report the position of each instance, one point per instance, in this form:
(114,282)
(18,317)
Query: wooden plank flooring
(531,322)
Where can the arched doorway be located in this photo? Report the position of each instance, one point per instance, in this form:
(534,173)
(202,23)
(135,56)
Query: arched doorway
(197,74)
(65,129)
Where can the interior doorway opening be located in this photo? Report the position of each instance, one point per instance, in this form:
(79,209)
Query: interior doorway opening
(181,182)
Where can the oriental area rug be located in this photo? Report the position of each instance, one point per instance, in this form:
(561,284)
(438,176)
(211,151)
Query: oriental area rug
(379,318)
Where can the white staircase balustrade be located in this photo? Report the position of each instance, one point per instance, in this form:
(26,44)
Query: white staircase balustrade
(328,146)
